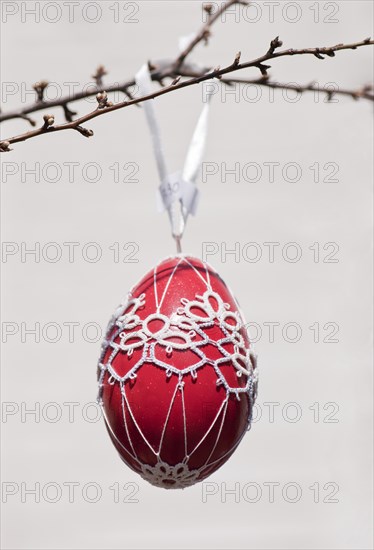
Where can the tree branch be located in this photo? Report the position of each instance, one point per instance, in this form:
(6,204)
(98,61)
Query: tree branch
(172,69)
(104,106)
(366,92)
(204,33)
(157,75)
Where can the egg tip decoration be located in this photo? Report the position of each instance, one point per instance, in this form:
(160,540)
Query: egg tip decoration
(177,374)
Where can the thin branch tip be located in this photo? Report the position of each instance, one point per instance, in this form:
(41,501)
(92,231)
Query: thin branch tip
(69,114)
(274,44)
(39,88)
(84,131)
(237,59)
(4,147)
(98,75)
(208,8)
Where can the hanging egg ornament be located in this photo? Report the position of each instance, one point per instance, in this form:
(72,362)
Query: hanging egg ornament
(177,375)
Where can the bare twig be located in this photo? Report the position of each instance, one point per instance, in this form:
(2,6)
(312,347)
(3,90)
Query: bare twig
(67,112)
(98,75)
(179,68)
(204,33)
(39,88)
(174,70)
(366,92)
(64,101)
(125,87)
(187,71)
(216,73)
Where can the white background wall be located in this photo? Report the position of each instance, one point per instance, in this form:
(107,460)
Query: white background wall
(305,131)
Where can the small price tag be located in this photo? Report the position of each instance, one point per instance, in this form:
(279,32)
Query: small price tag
(169,191)
(174,189)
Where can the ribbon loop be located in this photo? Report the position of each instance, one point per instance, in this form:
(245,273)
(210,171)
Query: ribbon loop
(177,193)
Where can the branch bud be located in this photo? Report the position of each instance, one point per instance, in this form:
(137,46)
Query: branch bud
(39,87)
(102,99)
(98,76)
(237,59)
(48,120)
(84,131)
(208,8)
(274,44)
(216,69)
(4,147)
(206,35)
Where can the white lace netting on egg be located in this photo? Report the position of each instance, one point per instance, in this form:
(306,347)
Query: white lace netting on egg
(190,319)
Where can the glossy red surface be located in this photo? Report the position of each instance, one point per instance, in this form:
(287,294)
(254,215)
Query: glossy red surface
(197,428)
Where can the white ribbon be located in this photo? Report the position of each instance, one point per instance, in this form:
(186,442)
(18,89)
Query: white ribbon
(177,192)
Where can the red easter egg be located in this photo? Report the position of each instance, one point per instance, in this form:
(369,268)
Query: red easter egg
(177,375)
